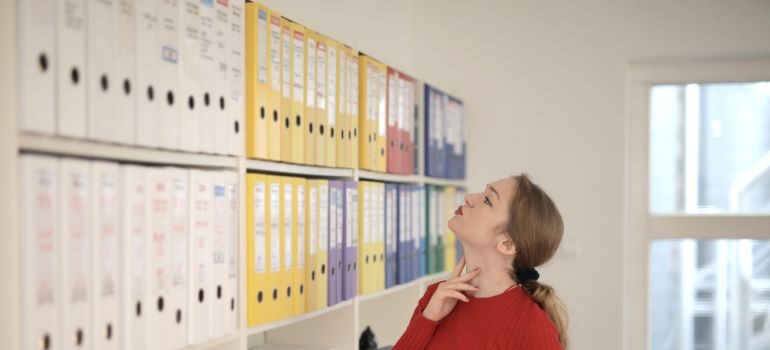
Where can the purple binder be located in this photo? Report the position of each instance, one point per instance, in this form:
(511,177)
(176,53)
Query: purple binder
(335,221)
(350,241)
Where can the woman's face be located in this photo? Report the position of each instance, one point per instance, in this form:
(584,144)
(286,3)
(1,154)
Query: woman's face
(481,220)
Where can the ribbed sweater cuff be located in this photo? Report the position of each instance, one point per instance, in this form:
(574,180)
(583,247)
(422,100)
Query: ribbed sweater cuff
(418,334)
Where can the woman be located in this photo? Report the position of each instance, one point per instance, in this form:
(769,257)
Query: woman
(506,231)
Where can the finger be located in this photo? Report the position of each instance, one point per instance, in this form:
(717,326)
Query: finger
(459,268)
(468,276)
(462,287)
(456,295)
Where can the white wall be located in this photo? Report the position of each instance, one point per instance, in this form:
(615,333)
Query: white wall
(544,84)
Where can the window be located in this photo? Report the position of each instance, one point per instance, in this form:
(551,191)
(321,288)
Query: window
(698,203)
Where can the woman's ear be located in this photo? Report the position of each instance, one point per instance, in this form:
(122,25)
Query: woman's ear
(506,247)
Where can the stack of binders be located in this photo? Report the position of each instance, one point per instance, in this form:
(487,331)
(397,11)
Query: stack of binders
(445,147)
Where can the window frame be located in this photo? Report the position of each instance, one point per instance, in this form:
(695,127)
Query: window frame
(640,226)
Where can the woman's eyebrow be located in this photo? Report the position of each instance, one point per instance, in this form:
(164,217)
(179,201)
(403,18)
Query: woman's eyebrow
(495,191)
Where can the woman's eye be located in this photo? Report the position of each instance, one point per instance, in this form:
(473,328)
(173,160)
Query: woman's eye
(487,201)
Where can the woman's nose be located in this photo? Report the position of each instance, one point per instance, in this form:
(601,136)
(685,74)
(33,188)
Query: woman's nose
(467,200)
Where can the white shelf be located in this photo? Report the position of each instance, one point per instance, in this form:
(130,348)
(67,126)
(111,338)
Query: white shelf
(389,291)
(297,319)
(385,177)
(217,342)
(62,146)
(297,169)
(443,182)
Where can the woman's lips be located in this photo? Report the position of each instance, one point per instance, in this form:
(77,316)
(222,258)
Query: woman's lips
(459,210)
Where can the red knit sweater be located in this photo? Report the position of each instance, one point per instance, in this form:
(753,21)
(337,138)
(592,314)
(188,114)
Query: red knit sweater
(511,320)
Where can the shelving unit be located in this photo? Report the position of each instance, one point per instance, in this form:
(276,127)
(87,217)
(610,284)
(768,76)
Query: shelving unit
(338,326)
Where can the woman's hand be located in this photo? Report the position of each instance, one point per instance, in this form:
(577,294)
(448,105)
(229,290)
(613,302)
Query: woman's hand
(449,292)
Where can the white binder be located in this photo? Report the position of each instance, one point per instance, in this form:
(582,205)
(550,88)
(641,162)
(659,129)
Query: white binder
(231,290)
(134,242)
(159,314)
(189,73)
(123,113)
(102,83)
(177,300)
(39,252)
(75,263)
(148,94)
(105,235)
(218,256)
(234,126)
(200,243)
(208,62)
(167,60)
(221,143)
(71,68)
(37,65)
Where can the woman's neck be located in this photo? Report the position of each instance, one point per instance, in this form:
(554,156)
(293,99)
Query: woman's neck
(494,277)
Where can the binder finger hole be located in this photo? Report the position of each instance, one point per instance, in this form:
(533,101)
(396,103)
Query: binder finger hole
(237,127)
(42,62)
(221,103)
(206,99)
(104,82)
(126,87)
(367,259)
(259,297)
(288,292)
(79,337)
(299,120)
(392,144)
(310,127)
(108,332)
(355,132)
(75,75)
(331,132)
(191,102)
(275,116)
(232,304)
(150,93)
(323,269)
(342,134)
(261,112)
(354,266)
(45,342)
(219,292)
(321,129)
(348,267)
(160,304)
(312,275)
(275,294)
(178,316)
(333,270)
(286,122)
(382,152)
(170,97)
(200,295)
(138,309)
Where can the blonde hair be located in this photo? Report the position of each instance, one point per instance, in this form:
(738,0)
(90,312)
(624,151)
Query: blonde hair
(536,228)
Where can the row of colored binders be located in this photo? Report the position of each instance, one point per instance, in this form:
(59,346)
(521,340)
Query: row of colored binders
(445,148)
(303,104)
(126,256)
(313,243)
(161,74)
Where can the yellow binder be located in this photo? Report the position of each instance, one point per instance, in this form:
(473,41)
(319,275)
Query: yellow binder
(353,107)
(298,118)
(342,102)
(256,249)
(311,128)
(256,80)
(311,245)
(285,119)
(332,100)
(273,223)
(287,229)
(275,73)
(299,256)
(367,111)
(320,118)
(381,143)
(322,256)
(449,236)
(363,232)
